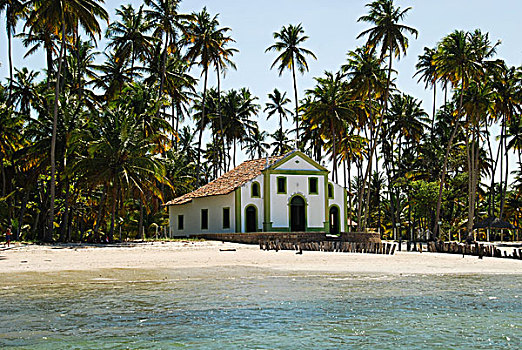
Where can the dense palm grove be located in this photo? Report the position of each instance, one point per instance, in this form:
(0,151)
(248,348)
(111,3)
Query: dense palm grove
(92,146)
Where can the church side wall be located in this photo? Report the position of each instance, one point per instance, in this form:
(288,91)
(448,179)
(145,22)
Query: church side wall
(248,200)
(340,201)
(192,215)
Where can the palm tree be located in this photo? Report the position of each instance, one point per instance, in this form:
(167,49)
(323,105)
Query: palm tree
(63,14)
(328,110)
(113,76)
(24,90)
(427,72)
(37,38)
(255,143)
(460,60)
(207,47)
(121,158)
(367,82)
(389,33)
(277,105)
(129,36)
(288,42)
(14,10)
(168,23)
(221,62)
(238,109)
(281,144)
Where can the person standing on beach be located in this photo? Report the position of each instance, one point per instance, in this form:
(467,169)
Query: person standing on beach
(8,235)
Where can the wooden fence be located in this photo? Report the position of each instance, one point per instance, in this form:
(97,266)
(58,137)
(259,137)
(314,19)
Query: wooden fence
(476,249)
(329,246)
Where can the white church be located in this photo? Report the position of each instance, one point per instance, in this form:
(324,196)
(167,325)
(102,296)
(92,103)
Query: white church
(289,193)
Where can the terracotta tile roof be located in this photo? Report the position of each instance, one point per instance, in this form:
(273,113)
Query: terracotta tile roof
(229,181)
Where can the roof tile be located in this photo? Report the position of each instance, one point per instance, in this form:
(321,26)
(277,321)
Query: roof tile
(229,181)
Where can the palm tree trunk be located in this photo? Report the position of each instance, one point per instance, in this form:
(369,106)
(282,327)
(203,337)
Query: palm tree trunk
(220,117)
(25,199)
(296,108)
(334,172)
(434,107)
(444,169)
(2,169)
(99,217)
(9,44)
(201,126)
(49,234)
(113,212)
(140,223)
(163,67)
(281,130)
(65,220)
(506,172)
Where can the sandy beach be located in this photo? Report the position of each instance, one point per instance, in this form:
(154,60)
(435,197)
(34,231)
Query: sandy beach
(200,254)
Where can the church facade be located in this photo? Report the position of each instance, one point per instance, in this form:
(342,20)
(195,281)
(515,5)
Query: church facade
(289,193)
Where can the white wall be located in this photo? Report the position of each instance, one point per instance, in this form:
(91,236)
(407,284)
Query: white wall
(339,201)
(296,163)
(247,199)
(297,184)
(192,215)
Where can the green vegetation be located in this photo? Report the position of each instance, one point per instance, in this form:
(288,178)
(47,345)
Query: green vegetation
(94,144)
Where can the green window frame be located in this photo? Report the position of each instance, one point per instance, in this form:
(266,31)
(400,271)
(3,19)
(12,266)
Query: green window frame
(181,222)
(313,185)
(281,185)
(331,191)
(255,190)
(204,219)
(226,217)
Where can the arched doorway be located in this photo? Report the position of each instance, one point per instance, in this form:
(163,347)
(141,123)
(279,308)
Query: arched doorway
(251,218)
(297,214)
(334,220)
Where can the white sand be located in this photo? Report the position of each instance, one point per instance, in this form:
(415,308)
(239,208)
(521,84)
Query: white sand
(176,255)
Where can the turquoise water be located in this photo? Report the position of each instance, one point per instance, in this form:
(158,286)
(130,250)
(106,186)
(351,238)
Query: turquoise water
(239,308)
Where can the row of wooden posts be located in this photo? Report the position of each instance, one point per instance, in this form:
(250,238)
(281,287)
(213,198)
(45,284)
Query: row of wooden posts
(475,249)
(329,246)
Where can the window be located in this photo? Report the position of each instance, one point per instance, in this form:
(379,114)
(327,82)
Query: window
(181,222)
(330,191)
(255,190)
(313,185)
(204,219)
(226,217)
(281,185)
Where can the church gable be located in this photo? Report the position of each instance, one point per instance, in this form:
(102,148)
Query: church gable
(297,161)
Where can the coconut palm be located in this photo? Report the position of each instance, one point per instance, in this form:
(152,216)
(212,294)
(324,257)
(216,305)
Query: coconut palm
(387,32)
(37,38)
(328,110)
(238,109)
(24,90)
(128,37)
(367,82)
(14,10)
(113,75)
(61,15)
(255,143)
(460,59)
(427,72)
(168,22)
(288,42)
(121,158)
(281,144)
(207,47)
(276,104)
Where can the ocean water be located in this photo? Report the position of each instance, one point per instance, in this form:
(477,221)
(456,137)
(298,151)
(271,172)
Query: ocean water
(245,308)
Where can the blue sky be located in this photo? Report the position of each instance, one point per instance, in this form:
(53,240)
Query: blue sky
(332,27)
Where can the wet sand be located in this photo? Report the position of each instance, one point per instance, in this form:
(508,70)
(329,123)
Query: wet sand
(200,254)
